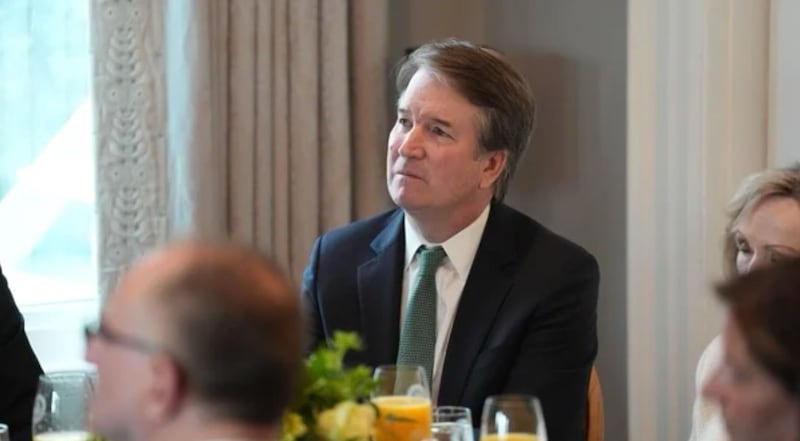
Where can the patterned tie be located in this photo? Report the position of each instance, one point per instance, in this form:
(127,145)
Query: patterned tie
(418,337)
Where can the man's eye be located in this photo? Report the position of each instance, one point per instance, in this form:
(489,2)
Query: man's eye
(438,131)
(405,122)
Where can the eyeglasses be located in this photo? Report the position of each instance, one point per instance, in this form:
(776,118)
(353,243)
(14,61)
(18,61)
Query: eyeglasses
(99,329)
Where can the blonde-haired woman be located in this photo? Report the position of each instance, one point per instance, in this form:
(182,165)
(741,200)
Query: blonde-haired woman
(763,227)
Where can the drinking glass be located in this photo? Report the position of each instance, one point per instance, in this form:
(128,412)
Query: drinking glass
(512,418)
(452,423)
(4,436)
(61,407)
(404,404)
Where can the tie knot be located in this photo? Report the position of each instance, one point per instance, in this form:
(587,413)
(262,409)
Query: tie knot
(431,258)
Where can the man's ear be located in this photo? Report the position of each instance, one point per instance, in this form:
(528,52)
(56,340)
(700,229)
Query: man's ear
(166,392)
(494,162)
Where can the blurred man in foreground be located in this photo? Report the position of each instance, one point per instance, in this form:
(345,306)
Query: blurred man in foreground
(198,342)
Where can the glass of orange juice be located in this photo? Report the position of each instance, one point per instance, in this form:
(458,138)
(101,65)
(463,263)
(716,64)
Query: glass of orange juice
(404,403)
(512,418)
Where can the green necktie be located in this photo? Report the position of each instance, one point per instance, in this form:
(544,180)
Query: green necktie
(418,336)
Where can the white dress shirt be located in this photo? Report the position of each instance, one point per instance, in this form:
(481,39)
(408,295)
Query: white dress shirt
(451,277)
(707,422)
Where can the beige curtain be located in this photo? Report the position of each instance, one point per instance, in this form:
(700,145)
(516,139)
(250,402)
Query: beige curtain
(260,120)
(277,118)
(697,124)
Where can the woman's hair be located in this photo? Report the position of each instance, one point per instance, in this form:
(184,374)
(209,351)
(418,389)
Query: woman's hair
(781,182)
(765,305)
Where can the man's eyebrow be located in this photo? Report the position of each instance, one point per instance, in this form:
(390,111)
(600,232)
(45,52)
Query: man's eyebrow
(442,122)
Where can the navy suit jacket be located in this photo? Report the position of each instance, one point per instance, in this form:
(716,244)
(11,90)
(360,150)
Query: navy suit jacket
(19,368)
(526,321)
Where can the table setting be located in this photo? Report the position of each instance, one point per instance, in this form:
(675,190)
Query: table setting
(335,402)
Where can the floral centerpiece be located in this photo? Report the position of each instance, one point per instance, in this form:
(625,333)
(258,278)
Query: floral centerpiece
(331,403)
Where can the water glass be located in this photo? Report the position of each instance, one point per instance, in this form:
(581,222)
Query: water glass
(61,406)
(452,423)
(4,436)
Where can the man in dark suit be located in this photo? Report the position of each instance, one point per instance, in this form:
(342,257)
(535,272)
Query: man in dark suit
(19,368)
(487,300)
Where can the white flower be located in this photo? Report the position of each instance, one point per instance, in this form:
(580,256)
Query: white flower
(347,421)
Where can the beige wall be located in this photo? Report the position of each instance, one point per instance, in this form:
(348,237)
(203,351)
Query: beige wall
(573,179)
(785,90)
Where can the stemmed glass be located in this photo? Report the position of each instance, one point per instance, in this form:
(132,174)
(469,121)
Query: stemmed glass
(61,407)
(404,403)
(512,418)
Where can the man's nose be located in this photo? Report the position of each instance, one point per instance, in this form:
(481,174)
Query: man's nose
(412,144)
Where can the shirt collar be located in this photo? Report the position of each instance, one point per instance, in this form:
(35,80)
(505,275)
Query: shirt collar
(460,248)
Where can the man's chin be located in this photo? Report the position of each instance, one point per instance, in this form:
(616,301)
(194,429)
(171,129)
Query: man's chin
(409,204)
(408,198)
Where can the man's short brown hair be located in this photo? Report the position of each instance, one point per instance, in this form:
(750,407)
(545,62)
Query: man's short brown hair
(488,81)
(236,330)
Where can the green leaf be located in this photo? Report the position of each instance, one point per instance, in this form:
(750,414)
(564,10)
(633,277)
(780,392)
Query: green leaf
(327,381)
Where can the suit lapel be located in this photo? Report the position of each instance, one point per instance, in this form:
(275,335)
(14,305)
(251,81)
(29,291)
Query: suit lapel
(487,286)
(380,281)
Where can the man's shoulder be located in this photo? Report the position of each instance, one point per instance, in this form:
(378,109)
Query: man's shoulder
(10,317)
(532,235)
(361,231)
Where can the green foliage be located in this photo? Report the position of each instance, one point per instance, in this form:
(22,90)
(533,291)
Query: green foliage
(327,382)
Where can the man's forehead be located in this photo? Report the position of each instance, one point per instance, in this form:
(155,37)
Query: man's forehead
(428,80)
(133,289)
(162,264)
(429,96)
(139,285)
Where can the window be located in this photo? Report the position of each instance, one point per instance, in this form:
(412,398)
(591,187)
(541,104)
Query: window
(47,202)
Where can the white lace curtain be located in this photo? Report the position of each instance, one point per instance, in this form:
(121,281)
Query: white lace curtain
(260,120)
